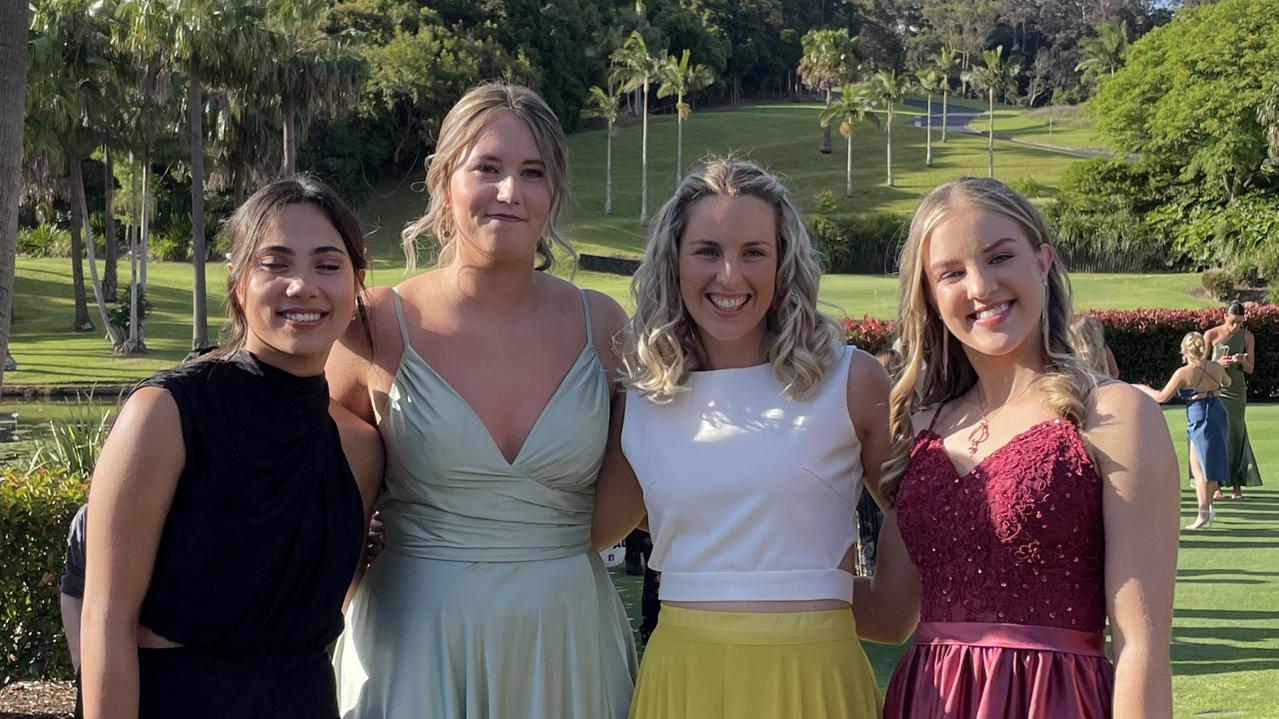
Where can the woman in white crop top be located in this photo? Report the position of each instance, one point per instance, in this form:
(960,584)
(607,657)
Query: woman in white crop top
(747,434)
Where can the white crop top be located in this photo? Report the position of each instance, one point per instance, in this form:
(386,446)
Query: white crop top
(750,495)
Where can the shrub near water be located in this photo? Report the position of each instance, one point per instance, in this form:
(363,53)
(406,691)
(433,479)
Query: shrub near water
(35,512)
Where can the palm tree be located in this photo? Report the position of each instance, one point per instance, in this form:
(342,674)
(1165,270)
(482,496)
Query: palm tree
(218,42)
(947,62)
(996,76)
(13,88)
(634,69)
(606,105)
(309,67)
(1104,53)
(889,87)
(856,103)
(930,79)
(829,61)
(68,66)
(680,79)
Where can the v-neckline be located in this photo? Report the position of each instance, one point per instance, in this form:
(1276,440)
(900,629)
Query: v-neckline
(497,450)
(941,442)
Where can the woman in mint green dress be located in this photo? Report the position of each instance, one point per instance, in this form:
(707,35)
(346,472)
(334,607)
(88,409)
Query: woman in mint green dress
(1234,347)
(489,382)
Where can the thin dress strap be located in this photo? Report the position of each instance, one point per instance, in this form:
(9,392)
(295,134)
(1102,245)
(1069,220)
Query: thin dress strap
(399,317)
(586,307)
(933,423)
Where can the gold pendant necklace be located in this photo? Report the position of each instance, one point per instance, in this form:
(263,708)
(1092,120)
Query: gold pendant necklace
(981,432)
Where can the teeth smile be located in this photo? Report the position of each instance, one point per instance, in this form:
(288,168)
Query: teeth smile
(992,311)
(303,317)
(727,303)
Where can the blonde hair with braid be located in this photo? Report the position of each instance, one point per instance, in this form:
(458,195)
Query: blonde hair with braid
(663,345)
(935,368)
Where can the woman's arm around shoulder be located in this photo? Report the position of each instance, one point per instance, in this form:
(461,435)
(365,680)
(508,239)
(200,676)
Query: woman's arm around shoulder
(608,321)
(366,456)
(1130,443)
(885,605)
(133,485)
(364,352)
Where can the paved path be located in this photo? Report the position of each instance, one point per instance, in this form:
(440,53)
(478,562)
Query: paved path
(959,119)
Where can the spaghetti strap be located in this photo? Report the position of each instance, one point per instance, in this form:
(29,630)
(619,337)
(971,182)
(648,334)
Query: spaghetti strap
(399,316)
(586,307)
(933,422)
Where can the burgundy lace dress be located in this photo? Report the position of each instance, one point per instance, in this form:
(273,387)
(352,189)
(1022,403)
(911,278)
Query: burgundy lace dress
(1010,558)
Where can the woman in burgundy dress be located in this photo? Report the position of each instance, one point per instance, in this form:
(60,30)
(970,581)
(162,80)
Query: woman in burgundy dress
(1037,500)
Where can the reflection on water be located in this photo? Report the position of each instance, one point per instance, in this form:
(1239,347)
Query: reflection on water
(23,423)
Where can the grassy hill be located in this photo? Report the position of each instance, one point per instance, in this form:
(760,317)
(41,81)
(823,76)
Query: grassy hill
(783,137)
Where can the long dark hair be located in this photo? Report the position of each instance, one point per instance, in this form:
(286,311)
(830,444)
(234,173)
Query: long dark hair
(246,228)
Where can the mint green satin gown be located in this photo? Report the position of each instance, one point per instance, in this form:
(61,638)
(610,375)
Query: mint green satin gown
(489,601)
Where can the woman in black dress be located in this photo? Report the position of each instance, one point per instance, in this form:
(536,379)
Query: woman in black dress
(229,505)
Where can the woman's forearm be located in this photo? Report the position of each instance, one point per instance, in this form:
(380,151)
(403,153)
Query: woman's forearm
(1143,683)
(110,669)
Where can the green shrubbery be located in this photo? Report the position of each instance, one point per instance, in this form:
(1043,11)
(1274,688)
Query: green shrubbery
(1145,342)
(36,508)
(866,243)
(44,240)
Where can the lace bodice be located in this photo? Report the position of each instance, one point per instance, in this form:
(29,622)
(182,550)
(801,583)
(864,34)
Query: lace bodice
(1017,540)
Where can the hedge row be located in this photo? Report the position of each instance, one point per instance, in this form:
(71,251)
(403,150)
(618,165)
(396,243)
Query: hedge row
(35,512)
(1146,343)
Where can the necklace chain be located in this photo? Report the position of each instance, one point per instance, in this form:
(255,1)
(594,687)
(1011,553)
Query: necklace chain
(981,432)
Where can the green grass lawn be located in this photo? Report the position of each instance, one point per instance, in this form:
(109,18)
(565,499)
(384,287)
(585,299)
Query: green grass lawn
(783,137)
(1072,128)
(48,353)
(1225,652)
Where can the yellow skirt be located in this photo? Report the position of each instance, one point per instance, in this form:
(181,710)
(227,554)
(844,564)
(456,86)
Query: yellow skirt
(744,665)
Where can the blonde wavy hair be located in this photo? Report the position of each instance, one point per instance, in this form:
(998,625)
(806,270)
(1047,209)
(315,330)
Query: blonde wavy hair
(463,123)
(929,379)
(1088,338)
(1193,346)
(663,345)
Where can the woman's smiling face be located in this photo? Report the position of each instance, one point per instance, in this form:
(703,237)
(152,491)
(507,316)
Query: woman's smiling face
(986,280)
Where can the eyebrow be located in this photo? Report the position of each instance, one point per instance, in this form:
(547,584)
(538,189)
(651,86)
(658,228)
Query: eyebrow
(936,266)
(282,250)
(494,158)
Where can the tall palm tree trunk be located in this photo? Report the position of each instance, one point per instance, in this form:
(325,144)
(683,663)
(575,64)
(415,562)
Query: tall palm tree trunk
(110,278)
(77,191)
(889,144)
(644,162)
(825,148)
(195,117)
(945,102)
(990,137)
(290,142)
(848,191)
(679,150)
(928,155)
(13,88)
(82,321)
(608,170)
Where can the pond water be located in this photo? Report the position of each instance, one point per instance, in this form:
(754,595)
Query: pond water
(22,423)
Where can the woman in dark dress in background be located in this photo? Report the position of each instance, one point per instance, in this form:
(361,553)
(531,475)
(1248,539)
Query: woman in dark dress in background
(229,504)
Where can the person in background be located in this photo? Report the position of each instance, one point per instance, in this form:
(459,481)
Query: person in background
(1199,382)
(229,505)
(1088,339)
(1232,345)
(71,596)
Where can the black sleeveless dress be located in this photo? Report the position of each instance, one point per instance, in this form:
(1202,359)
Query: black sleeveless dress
(257,551)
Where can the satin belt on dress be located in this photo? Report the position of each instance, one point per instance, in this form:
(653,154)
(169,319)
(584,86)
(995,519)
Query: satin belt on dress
(1012,636)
